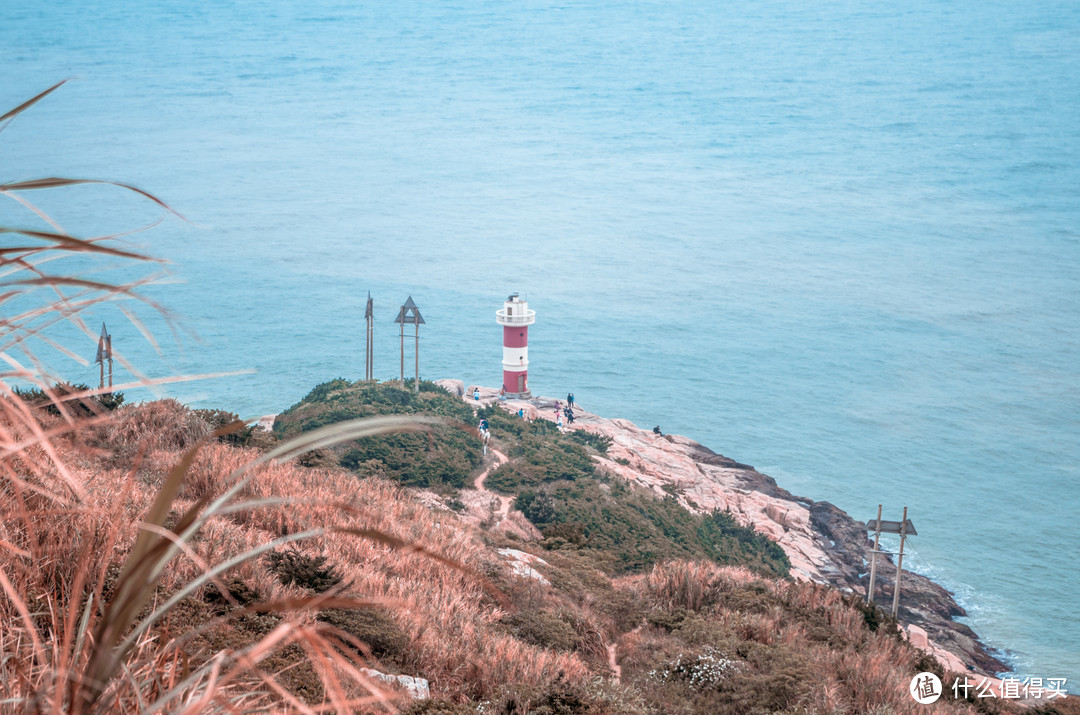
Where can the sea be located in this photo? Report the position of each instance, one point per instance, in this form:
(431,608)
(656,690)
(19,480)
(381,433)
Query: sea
(837,240)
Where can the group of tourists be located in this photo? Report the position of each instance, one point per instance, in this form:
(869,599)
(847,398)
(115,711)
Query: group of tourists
(566,410)
(561,411)
(485,433)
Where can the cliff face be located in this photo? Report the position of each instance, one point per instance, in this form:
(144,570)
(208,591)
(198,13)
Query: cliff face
(823,542)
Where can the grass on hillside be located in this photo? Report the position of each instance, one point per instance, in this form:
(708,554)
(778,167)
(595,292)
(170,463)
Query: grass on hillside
(441,458)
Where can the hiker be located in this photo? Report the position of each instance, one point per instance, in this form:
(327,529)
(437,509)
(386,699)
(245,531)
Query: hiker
(484,425)
(559,415)
(570,399)
(521,412)
(476,394)
(656,431)
(570,417)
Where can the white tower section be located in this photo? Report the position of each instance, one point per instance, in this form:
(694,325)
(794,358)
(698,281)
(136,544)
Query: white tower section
(515,317)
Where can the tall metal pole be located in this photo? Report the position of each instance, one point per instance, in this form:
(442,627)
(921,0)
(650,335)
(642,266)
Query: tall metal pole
(403,354)
(416,385)
(108,354)
(899,566)
(873,558)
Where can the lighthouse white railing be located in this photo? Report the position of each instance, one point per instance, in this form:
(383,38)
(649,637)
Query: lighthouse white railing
(503,319)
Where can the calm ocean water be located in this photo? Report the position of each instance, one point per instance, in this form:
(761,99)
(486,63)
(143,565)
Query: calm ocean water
(836,240)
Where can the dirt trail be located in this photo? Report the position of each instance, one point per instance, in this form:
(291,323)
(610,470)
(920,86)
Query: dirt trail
(616,669)
(504,502)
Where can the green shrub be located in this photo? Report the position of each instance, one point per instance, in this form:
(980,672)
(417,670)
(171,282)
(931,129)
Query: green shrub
(558,698)
(216,419)
(875,617)
(81,407)
(376,629)
(541,628)
(239,594)
(640,530)
(293,566)
(599,442)
(438,707)
(442,457)
(668,620)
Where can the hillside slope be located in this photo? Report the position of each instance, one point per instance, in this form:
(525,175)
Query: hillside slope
(488,619)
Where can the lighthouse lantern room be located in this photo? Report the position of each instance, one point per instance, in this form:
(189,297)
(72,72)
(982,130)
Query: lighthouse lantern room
(515,317)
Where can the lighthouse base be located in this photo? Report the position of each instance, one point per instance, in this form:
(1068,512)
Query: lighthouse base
(517,395)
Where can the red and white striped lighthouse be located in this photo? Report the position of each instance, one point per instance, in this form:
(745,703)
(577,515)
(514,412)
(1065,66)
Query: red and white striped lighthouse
(515,317)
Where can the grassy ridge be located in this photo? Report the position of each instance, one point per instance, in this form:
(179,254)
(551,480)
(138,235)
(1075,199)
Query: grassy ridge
(442,458)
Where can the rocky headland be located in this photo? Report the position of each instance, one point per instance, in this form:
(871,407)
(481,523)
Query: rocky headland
(823,543)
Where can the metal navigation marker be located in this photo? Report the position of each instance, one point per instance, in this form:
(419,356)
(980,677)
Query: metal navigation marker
(892,527)
(104,353)
(904,528)
(409,313)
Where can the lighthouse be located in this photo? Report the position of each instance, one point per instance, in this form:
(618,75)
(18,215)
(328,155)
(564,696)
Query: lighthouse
(515,317)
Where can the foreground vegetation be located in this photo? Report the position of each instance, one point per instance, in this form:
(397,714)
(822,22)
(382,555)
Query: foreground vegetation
(692,636)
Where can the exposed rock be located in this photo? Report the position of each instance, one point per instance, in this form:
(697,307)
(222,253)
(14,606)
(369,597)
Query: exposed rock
(454,387)
(416,687)
(521,564)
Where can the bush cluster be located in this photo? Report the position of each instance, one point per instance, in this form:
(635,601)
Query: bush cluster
(293,566)
(376,629)
(441,458)
(78,407)
(640,530)
(707,669)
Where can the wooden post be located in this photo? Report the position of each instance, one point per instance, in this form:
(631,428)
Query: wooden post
(899,566)
(369,350)
(416,385)
(873,558)
(108,354)
(403,354)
